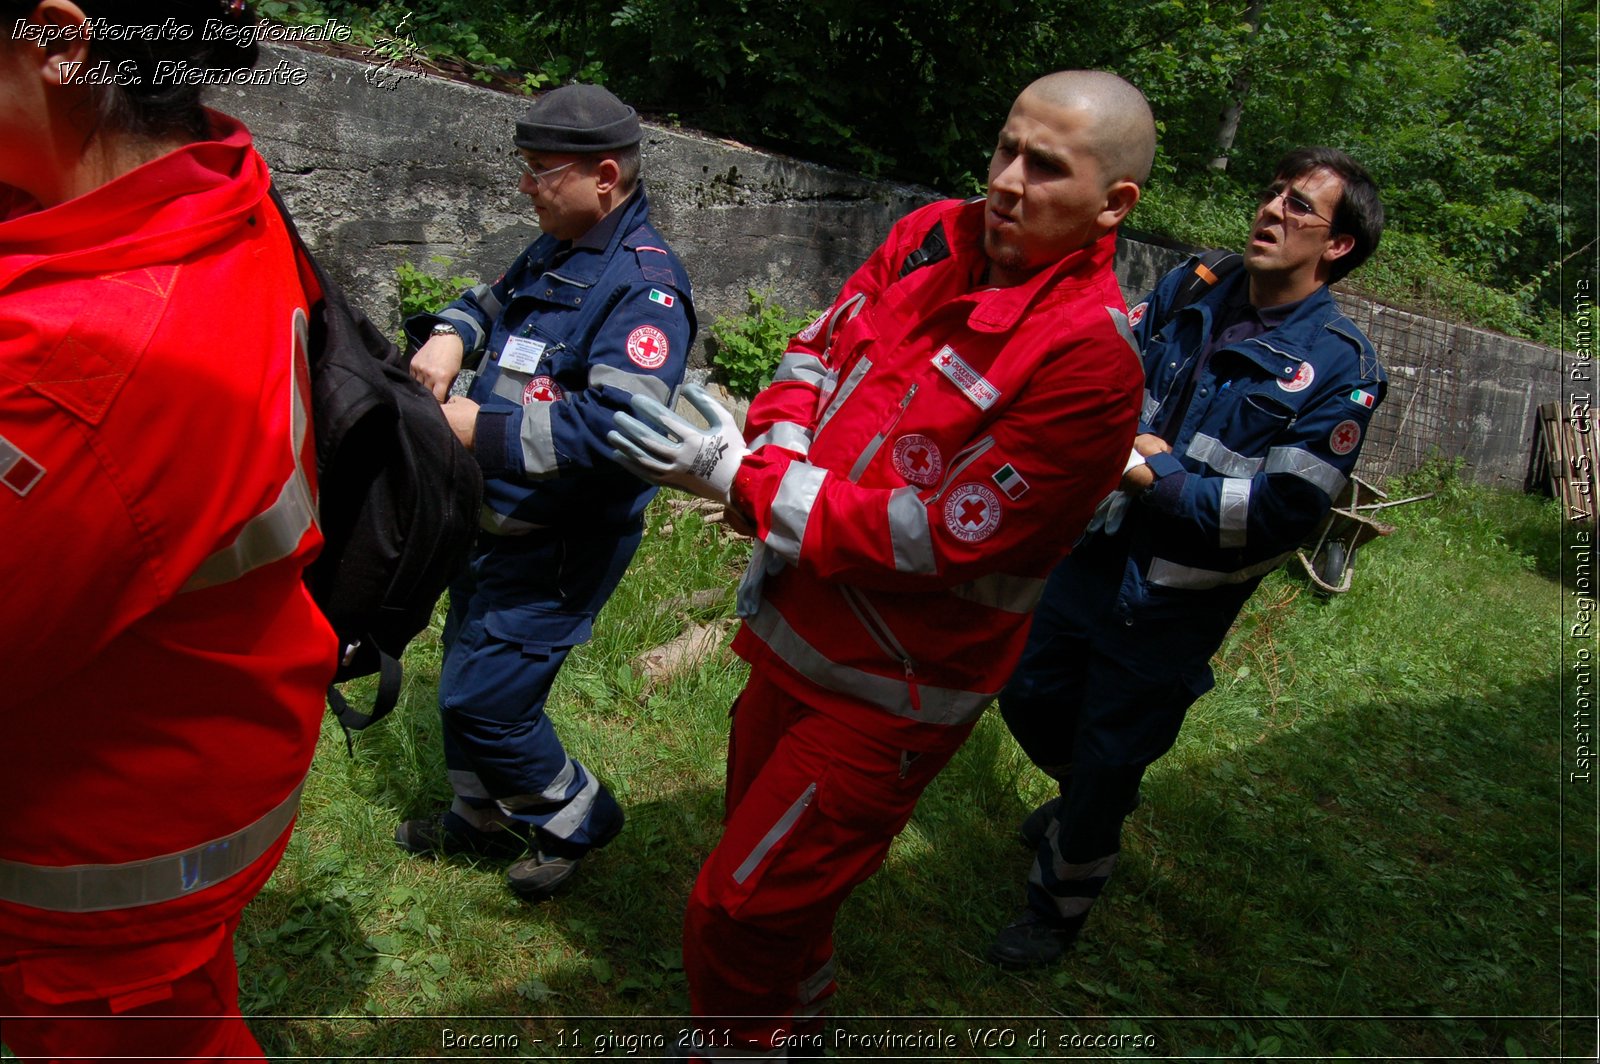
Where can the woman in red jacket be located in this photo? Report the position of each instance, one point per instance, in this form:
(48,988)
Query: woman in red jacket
(164,666)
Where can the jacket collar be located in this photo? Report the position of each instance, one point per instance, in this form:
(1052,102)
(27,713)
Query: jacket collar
(1280,350)
(583,259)
(1000,309)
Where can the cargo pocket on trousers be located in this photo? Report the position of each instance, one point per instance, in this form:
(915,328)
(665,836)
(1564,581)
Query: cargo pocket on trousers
(744,881)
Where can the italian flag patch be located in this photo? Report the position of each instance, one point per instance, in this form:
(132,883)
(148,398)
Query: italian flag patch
(1362,397)
(658,296)
(1008,480)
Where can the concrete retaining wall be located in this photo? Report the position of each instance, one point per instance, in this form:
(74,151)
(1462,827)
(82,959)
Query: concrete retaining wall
(416,170)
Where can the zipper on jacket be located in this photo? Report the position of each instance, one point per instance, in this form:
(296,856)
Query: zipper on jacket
(876,443)
(883,635)
(960,463)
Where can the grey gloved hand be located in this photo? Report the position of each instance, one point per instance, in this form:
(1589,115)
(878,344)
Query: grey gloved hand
(1108,515)
(662,447)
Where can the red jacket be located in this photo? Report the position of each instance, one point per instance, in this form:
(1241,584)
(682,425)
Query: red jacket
(929,450)
(164,666)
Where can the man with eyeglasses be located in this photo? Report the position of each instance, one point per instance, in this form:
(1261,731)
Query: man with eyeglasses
(1257,400)
(594,312)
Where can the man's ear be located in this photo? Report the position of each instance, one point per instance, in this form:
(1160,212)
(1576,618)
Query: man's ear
(67,47)
(1120,198)
(607,175)
(1339,247)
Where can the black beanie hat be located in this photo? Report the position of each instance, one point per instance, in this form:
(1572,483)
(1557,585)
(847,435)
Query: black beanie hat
(578,118)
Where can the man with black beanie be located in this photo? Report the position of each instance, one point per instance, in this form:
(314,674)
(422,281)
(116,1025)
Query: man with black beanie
(594,312)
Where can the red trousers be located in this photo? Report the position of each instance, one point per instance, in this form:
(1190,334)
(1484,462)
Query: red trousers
(812,806)
(58,1008)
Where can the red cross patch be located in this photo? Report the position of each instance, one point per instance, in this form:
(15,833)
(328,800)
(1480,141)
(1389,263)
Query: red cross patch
(917,459)
(1301,379)
(648,347)
(972,512)
(543,390)
(1136,315)
(1344,437)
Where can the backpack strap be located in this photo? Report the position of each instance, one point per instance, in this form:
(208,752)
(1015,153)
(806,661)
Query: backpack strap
(353,720)
(935,247)
(1211,268)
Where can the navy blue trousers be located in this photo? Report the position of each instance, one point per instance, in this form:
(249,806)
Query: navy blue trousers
(515,614)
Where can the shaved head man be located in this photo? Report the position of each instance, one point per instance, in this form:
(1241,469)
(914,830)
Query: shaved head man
(930,447)
(1067,168)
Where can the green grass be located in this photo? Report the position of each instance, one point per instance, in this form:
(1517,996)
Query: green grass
(1356,848)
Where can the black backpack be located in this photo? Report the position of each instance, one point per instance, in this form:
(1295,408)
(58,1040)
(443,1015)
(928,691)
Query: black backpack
(398,494)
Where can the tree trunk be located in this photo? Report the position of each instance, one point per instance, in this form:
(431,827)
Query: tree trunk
(1228,127)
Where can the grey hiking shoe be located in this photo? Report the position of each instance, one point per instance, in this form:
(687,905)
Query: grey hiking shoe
(545,874)
(541,876)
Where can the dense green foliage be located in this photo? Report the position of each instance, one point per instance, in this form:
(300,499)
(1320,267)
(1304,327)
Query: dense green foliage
(1361,846)
(1476,116)
(746,348)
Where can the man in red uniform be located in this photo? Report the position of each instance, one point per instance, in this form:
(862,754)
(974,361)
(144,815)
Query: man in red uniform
(931,447)
(165,667)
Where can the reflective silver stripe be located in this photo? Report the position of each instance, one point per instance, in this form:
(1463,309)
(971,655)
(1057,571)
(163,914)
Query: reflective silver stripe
(1124,330)
(564,823)
(1002,591)
(1065,870)
(1210,450)
(791,509)
(789,435)
(1170,574)
(1233,512)
(801,366)
(940,705)
(93,888)
(492,520)
(1087,871)
(632,383)
(858,371)
(847,312)
(273,534)
(467,327)
(774,833)
(1148,411)
(508,387)
(909,533)
(484,296)
(555,791)
(467,784)
(485,817)
(557,788)
(812,986)
(538,441)
(1299,462)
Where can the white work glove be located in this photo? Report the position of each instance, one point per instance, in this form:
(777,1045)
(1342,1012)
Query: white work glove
(665,449)
(1108,515)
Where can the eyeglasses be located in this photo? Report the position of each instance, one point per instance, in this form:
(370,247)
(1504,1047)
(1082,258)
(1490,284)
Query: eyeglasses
(538,176)
(1292,204)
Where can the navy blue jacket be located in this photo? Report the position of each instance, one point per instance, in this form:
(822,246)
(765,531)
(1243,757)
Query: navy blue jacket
(1271,431)
(1270,435)
(571,331)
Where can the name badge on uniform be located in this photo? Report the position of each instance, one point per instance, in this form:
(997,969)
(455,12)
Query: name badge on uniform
(522,354)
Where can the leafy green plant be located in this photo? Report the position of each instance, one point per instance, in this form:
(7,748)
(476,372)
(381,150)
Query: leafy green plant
(746,348)
(422,293)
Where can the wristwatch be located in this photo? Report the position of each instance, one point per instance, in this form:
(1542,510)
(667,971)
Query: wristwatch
(444,328)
